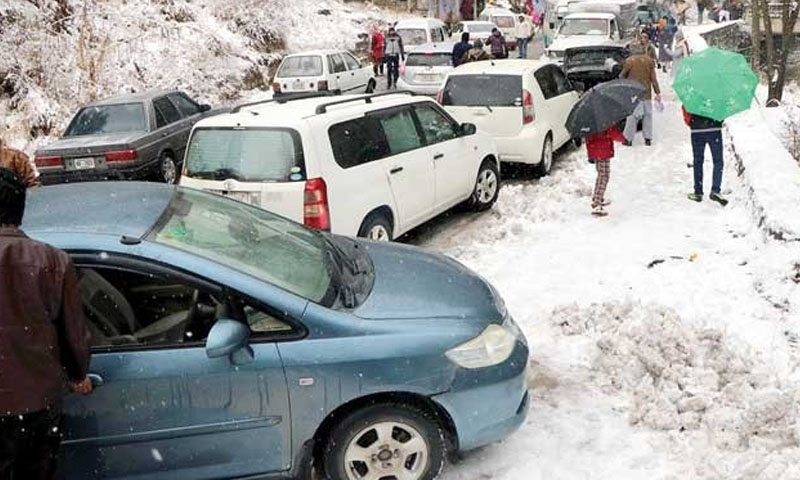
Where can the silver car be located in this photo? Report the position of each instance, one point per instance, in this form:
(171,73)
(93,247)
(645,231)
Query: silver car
(426,67)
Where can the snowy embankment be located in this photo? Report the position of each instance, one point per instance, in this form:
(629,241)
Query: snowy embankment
(769,171)
(53,58)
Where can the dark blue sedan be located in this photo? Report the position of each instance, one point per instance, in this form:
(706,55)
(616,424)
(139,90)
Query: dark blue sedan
(230,342)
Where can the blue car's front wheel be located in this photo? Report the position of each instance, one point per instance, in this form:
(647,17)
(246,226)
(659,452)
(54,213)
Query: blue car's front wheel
(385,441)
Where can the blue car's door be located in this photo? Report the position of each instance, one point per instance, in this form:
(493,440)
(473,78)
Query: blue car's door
(161,408)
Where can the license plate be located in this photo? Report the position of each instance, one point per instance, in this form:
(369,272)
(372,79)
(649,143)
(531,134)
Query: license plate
(246,197)
(83,163)
(297,85)
(429,77)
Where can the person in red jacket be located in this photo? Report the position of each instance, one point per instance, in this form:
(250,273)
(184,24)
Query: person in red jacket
(377,51)
(600,150)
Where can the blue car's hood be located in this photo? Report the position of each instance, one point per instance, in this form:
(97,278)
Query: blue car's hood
(410,283)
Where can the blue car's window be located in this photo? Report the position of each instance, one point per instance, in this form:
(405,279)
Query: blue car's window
(250,240)
(126,117)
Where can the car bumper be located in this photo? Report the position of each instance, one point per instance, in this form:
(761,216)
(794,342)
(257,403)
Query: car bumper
(431,89)
(487,405)
(524,148)
(137,172)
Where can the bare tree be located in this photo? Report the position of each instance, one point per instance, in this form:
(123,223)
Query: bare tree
(91,53)
(776,61)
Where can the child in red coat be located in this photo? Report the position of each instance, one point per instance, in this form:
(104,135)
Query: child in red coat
(600,149)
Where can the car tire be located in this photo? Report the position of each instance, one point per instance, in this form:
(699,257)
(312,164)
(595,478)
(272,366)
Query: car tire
(167,170)
(546,161)
(391,438)
(487,187)
(371,86)
(376,227)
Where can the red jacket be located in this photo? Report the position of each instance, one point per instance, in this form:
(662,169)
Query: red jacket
(377,46)
(600,146)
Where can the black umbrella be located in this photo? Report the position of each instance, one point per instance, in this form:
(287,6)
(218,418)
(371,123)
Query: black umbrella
(603,106)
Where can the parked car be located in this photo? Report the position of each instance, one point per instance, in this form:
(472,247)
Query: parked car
(131,137)
(337,71)
(419,31)
(477,30)
(522,104)
(650,12)
(426,67)
(231,342)
(506,22)
(593,65)
(375,166)
(586,29)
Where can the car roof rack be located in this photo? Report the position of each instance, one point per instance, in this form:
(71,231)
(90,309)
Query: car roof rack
(366,98)
(286,97)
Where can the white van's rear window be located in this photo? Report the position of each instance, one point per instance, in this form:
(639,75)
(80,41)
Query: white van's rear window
(412,36)
(503,21)
(301,66)
(247,155)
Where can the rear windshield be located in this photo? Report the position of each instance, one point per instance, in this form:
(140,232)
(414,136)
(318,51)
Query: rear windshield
(125,117)
(584,26)
(504,21)
(251,155)
(412,36)
(429,60)
(481,90)
(301,66)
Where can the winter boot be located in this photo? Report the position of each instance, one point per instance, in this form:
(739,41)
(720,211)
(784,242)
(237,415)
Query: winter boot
(599,211)
(696,197)
(648,142)
(718,198)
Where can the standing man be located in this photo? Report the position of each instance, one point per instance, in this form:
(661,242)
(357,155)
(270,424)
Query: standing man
(706,131)
(460,48)
(377,51)
(18,163)
(394,54)
(44,342)
(642,68)
(523,32)
(497,44)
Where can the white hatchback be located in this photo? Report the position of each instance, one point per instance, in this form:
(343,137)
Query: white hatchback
(426,67)
(375,166)
(522,104)
(337,71)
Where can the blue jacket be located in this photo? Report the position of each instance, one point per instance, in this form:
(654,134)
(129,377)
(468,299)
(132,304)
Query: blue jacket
(459,49)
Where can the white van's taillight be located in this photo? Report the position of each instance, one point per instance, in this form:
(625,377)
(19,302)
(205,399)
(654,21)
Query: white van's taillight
(276,87)
(315,205)
(322,85)
(527,107)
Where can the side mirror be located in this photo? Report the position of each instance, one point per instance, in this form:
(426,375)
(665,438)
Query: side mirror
(579,86)
(552,26)
(468,129)
(229,338)
(205,107)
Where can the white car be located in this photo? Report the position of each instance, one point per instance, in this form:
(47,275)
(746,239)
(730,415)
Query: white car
(585,30)
(477,30)
(522,104)
(419,31)
(425,68)
(374,166)
(337,71)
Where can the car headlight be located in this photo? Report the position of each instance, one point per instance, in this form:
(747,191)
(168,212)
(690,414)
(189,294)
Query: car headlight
(493,346)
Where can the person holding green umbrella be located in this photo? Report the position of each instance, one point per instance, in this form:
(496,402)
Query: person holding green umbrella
(713,85)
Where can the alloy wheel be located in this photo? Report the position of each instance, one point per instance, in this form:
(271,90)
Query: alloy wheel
(387,450)
(169,171)
(378,233)
(486,187)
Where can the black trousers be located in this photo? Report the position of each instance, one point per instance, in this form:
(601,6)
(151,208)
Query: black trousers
(29,445)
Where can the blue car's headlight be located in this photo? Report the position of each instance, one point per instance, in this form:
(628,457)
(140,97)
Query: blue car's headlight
(493,346)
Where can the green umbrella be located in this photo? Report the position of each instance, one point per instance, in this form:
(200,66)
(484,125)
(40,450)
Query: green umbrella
(715,83)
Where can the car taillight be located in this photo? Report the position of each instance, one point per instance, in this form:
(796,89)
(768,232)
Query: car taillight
(440,96)
(315,205)
(322,85)
(402,70)
(527,107)
(276,87)
(121,156)
(49,161)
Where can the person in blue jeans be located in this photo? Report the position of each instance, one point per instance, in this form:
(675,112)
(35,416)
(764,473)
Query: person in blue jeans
(706,131)
(394,54)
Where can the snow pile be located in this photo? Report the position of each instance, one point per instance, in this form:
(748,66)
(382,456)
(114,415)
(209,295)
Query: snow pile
(722,407)
(54,56)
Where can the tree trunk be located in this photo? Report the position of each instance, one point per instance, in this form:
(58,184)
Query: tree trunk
(769,42)
(755,52)
(789,18)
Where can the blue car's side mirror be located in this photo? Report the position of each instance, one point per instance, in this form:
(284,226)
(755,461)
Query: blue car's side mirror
(229,338)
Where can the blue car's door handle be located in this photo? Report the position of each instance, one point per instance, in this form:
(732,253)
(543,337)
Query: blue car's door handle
(97,380)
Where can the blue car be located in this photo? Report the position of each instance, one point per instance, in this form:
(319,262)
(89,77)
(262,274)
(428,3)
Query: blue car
(229,342)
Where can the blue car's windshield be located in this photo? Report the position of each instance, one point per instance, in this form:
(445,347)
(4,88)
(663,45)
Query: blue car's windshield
(250,240)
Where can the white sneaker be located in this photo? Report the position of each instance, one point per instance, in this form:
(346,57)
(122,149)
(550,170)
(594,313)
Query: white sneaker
(599,211)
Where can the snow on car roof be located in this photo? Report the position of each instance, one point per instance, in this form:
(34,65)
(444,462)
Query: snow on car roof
(131,97)
(418,22)
(437,47)
(604,16)
(311,53)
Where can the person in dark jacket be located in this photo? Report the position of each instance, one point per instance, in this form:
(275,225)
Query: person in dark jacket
(600,150)
(497,44)
(394,54)
(44,342)
(706,131)
(476,53)
(460,48)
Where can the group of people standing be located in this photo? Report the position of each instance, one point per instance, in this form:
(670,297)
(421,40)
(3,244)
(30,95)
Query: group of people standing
(389,51)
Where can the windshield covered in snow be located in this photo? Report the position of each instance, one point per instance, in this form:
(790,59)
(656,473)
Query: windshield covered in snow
(103,119)
(429,60)
(482,90)
(584,26)
(247,155)
(301,66)
(413,36)
(247,239)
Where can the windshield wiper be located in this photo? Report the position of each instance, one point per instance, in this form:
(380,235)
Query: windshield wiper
(489,108)
(344,258)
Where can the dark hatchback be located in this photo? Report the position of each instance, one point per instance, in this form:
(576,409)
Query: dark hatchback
(132,137)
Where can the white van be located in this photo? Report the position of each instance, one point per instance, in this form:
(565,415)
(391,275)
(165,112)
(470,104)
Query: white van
(375,166)
(419,31)
(506,22)
(337,71)
(522,104)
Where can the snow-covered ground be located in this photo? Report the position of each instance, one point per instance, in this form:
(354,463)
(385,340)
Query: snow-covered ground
(664,337)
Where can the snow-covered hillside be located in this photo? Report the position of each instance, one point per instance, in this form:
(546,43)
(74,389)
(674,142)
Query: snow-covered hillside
(57,56)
